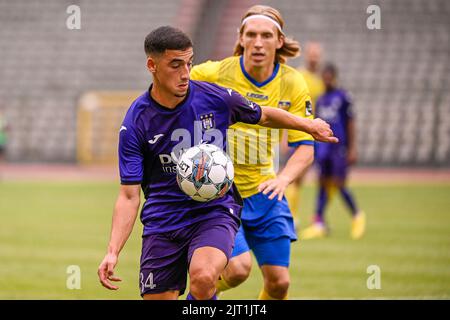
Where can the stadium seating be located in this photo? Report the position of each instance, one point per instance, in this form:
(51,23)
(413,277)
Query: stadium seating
(399,75)
(46,67)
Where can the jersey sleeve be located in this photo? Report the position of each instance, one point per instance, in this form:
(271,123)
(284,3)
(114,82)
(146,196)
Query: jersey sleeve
(207,71)
(131,158)
(301,106)
(242,109)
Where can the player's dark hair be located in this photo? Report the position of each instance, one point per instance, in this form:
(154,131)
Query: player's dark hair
(330,68)
(166,38)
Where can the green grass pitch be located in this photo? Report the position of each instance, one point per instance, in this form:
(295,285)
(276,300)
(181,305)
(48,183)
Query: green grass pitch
(46,227)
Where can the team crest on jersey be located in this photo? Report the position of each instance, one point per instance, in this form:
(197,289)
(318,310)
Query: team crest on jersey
(308,108)
(284,104)
(257,96)
(207,121)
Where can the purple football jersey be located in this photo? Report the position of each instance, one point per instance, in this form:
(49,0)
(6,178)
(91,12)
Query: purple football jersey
(152,137)
(335,107)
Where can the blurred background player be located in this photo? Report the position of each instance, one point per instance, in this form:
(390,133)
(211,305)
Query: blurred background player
(258,71)
(335,106)
(311,74)
(311,70)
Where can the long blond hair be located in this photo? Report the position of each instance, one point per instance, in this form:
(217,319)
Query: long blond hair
(290,48)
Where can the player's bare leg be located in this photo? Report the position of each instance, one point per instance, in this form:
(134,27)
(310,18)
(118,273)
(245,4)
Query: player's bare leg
(358,216)
(168,295)
(276,282)
(207,263)
(293,197)
(318,228)
(236,272)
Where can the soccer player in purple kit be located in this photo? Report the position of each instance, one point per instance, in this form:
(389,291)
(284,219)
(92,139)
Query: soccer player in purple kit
(336,107)
(180,234)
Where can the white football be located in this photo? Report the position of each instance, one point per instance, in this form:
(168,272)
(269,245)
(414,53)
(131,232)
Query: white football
(205,172)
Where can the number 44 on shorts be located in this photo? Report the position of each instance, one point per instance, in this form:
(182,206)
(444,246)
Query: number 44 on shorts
(148,284)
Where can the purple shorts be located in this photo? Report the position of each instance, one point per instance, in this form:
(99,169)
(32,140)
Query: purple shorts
(166,256)
(332,163)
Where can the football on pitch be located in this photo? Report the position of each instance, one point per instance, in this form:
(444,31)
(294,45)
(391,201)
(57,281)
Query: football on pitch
(205,172)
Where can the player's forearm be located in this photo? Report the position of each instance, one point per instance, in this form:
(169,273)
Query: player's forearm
(351,134)
(298,163)
(125,213)
(278,118)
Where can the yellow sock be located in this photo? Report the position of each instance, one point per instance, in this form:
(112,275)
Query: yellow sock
(263,295)
(331,189)
(293,198)
(222,285)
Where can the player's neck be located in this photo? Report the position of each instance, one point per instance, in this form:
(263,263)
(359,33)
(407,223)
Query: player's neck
(330,88)
(260,74)
(312,67)
(165,98)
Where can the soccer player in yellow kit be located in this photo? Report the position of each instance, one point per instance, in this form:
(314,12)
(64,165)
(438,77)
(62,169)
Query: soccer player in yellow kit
(258,71)
(311,71)
(311,74)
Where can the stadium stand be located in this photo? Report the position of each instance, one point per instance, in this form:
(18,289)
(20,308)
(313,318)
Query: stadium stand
(47,68)
(399,75)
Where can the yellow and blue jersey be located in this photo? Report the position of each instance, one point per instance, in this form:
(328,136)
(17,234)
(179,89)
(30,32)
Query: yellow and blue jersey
(251,147)
(315,85)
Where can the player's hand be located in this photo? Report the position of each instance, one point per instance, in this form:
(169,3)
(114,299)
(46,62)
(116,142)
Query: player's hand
(106,271)
(352,157)
(321,131)
(277,186)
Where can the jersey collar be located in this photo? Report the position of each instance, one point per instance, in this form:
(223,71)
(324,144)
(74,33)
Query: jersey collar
(164,109)
(256,83)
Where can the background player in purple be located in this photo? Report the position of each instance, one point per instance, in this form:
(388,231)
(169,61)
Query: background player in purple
(180,234)
(335,106)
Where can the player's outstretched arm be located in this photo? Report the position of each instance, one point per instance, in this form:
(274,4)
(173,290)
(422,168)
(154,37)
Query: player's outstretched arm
(125,213)
(278,118)
(296,166)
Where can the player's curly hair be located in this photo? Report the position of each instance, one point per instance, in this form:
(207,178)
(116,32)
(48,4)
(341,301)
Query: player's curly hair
(290,48)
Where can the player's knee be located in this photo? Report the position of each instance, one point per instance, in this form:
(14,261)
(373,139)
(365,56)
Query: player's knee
(238,277)
(202,283)
(324,182)
(278,288)
(238,274)
(237,271)
(339,184)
